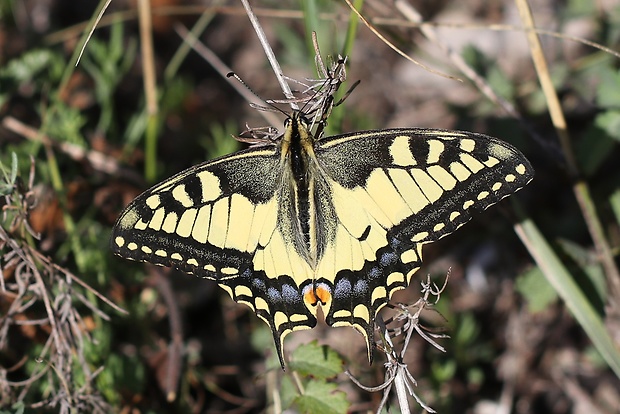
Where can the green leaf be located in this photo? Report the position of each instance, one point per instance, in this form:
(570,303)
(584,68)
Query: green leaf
(610,123)
(579,8)
(65,124)
(598,142)
(608,93)
(501,83)
(17,408)
(29,65)
(443,371)
(7,185)
(467,330)
(288,392)
(318,361)
(322,397)
(536,290)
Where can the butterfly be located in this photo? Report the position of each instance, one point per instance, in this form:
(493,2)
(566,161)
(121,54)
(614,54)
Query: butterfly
(300,222)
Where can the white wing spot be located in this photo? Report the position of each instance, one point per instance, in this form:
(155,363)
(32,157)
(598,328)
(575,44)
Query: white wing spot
(454,215)
(200,230)
(361,311)
(499,151)
(438,227)
(459,171)
(420,236)
(146,249)
(496,186)
(129,219)
(443,177)
(161,253)
(298,317)
(180,194)
(132,246)
(242,290)
(467,204)
(470,162)
(218,228)
(491,162)
(378,293)
(186,223)
(141,225)
(120,241)
(153,201)
(395,277)
(158,219)
(176,256)
(435,149)
(510,178)
(210,186)
(401,153)
(468,145)
(409,256)
(520,169)
(483,195)
(342,313)
(170,222)
(429,187)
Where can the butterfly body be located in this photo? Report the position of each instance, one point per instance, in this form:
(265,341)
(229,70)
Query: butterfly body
(337,222)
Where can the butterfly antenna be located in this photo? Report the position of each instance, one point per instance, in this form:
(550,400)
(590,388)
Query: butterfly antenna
(269,102)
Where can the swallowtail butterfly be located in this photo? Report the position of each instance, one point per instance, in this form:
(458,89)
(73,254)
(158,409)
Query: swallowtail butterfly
(337,222)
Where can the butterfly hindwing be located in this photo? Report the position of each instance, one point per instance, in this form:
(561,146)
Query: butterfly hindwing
(395,190)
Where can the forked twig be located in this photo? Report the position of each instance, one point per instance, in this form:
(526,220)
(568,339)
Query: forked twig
(397,373)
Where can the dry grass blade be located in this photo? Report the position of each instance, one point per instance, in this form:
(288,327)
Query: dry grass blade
(94,25)
(393,47)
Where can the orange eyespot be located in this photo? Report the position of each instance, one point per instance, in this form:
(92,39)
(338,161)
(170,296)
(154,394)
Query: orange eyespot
(317,292)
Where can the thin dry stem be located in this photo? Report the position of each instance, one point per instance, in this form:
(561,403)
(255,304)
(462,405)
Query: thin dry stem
(275,65)
(148,56)
(97,160)
(92,29)
(394,47)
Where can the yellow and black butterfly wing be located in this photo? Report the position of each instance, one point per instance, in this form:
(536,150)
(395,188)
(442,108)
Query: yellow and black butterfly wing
(344,228)
(219,220)
(393,191)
